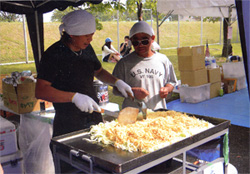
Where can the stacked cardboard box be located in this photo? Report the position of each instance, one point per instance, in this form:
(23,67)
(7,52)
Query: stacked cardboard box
(214,78)
(191,63)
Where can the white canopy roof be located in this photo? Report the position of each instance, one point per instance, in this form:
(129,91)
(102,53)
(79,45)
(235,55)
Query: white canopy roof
(204,8)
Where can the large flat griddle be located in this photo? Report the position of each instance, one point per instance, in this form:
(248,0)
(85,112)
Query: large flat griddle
(116,160)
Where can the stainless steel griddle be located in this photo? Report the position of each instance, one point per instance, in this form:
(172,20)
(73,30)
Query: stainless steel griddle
(77,149)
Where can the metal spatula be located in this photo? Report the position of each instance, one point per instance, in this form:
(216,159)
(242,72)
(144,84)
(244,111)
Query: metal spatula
(141,104)
(128,115)
(107,112)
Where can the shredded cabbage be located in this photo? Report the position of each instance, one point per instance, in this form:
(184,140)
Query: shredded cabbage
(159,130)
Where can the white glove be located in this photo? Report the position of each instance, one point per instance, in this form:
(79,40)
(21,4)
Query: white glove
(85,103)
(123,88)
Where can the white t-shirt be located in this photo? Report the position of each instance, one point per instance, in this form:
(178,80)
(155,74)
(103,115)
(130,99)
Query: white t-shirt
(106,51)
(150,73)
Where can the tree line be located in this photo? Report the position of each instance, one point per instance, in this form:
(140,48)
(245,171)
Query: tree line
(131,10)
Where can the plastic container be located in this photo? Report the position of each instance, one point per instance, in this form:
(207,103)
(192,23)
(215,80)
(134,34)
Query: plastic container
(8,138)
(210,62)
(241,83)
(233,69)
(195,94)
(101,92)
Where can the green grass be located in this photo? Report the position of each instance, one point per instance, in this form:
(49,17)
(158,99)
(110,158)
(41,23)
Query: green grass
(12,43)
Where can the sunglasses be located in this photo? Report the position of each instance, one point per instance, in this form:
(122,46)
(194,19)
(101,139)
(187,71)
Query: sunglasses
(143,42)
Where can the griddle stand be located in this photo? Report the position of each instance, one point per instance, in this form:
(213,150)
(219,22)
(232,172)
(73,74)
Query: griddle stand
(91,168)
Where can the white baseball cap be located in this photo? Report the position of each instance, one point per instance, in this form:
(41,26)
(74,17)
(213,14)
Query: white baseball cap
(141,27)
(77,23)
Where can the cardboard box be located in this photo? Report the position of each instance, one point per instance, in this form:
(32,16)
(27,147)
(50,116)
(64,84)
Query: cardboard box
(8,139)
(213,75)
(21,99)
(215,89)
(190,59)
(229,85)
(194,78)
(2,76)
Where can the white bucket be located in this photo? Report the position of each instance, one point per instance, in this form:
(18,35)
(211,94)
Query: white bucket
(231,169)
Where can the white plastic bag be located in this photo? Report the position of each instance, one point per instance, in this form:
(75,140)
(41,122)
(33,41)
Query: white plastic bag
(34,141)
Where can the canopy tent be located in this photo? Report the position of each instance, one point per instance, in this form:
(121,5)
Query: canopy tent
(243,13)
(33,10)
(211,8)
(215,8)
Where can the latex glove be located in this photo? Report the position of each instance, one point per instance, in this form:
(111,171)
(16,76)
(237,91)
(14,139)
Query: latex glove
(123,88)
(85,103)
(140,93)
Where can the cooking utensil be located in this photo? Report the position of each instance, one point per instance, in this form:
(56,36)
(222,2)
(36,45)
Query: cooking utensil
(107,112)
(128,115)
(110,113)
(140,103)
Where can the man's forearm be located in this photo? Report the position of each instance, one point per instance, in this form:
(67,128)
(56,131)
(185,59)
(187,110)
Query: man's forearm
(46,92)
(105,77)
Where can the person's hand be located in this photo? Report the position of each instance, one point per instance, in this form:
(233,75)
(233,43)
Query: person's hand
(164,92)
(124,88)
(85,103)
(140,93)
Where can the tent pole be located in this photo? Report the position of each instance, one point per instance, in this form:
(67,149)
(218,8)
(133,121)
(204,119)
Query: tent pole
(201,29)
(25,39)
(220,29)
(151,16)
(118,44)
(237,35)
(157,28)
(178,31)
(38,37)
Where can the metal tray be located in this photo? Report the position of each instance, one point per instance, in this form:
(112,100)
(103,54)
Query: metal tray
(116,160)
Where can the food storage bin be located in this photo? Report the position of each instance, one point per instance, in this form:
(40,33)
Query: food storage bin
(195,94)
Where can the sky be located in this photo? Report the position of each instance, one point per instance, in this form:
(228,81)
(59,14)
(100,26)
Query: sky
(47,16)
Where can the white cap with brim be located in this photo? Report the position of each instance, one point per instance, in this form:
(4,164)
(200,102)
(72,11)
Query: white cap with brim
(78,23)
(141,27)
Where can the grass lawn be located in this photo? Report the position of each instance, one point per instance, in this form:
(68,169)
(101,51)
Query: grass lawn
(12,48)
(215,50)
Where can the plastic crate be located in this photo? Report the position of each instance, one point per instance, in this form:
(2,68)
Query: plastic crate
(233,69)
(195,94)
(241,83)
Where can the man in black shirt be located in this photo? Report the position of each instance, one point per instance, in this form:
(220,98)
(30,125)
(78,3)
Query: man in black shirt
(66,73)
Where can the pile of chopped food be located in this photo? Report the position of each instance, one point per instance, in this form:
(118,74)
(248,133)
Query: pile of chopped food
(159,130)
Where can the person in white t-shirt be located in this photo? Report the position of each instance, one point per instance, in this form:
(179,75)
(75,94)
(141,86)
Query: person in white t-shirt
(109,53)
(150,74)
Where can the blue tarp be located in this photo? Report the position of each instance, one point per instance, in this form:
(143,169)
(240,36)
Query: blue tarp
(233,107)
